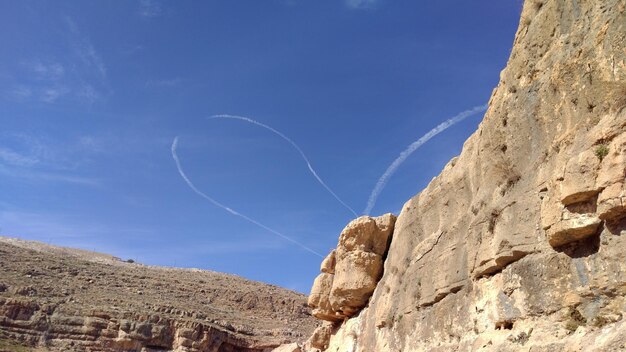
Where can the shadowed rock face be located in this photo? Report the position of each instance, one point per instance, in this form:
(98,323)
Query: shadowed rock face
(520,241)
(58,299)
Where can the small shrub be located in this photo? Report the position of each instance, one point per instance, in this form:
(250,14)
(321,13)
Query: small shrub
(521,338)
(575,319)
(130,261)
(601,151)
(601,320)
(572,325)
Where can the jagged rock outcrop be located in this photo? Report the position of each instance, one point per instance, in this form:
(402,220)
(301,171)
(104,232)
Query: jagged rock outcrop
(58,299)
(351,271)
(519,243)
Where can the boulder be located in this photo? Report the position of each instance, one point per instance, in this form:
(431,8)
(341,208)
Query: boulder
(351,271)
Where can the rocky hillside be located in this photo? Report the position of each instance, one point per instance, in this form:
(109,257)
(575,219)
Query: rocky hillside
(518,245)
(59,299)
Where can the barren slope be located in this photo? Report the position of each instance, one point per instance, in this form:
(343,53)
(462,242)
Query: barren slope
(78,300)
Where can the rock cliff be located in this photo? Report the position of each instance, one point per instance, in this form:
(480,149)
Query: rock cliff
(519,243)
(59,299)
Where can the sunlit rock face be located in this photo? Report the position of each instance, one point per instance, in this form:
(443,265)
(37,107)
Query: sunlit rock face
(519,243)
(349,274)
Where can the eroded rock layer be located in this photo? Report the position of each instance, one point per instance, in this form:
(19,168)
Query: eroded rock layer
(57,299)
(519,243)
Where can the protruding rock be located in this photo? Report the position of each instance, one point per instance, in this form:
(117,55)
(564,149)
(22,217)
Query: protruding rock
(366,234)
(321,336)
(580,178)
(612,202)
(328,264)
(573,229)
(350,273)
(356,276)
(319,298)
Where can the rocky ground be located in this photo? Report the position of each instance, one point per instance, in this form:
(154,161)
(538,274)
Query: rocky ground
(56,299)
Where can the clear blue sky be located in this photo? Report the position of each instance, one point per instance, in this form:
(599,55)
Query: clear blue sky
(92,95)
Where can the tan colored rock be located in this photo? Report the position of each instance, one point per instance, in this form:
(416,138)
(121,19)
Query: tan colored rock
(359,262)
(579,183)
(472,265)
(351,271)
(356,276)
(319,298)
(292,347)
(612,179)
(612,202)
(328,264)
(366,234)
(321,336)
(572,230)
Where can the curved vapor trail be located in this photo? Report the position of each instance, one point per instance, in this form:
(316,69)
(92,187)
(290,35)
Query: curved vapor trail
(382,182)
(230,210)
(295,146)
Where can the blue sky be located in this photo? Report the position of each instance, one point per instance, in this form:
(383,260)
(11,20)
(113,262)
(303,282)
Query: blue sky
(92,94)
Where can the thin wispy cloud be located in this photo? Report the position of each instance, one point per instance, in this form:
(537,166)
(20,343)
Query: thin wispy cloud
(86,92)
(46,71)
(51,95)
(28,159)
(230,210)
(296,147)
(36,176)
(44,225)
(10,157)
(382,182)
(84,49)
(19,93)
(362,4)
(149,8)
(79,74)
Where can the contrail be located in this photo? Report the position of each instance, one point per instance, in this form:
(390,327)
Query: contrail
(232,211)
(382,182)
(296,147)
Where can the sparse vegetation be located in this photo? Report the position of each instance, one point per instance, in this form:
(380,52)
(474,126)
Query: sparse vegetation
(602,320)
(521,338)
(601,151)
(575,320)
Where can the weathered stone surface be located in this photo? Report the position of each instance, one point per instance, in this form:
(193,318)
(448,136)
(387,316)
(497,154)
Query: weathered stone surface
(321,336)
(572,230)
(351,271)
(319,298)
(518,244)
(356,276)
(579,180)
(328,264)
(59,299)
(292,347)
(366,234)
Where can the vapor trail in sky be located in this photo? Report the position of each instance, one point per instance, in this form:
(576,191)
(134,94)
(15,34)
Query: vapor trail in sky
(382,182)
(230,210)
(296,147)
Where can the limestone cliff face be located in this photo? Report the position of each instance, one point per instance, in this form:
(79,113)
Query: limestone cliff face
(519,243)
